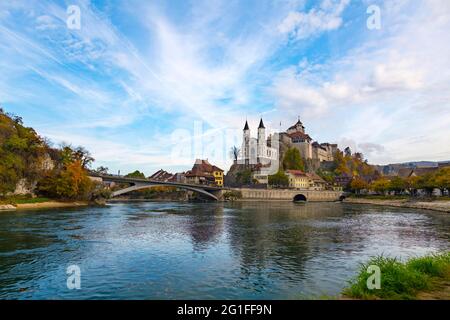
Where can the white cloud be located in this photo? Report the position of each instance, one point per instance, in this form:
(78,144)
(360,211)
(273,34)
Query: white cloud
(389,90)
(302,25)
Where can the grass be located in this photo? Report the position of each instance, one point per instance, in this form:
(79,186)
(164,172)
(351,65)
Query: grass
(380,197)
(401,280)
(398,197)
(22,200)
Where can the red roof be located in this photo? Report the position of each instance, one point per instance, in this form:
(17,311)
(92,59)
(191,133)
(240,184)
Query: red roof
(300,135)
(296,172)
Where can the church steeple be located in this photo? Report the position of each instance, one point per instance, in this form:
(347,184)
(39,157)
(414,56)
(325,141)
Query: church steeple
(246,126)
(261,124)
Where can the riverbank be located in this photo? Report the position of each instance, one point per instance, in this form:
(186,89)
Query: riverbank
(43,205)
(436,205)
(423,278)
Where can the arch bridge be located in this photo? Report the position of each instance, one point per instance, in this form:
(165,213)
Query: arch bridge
(211,192)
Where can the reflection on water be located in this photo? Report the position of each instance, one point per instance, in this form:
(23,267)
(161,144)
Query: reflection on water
(246,250)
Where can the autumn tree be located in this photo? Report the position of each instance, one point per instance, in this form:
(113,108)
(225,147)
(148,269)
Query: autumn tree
(358,184)
(71,183)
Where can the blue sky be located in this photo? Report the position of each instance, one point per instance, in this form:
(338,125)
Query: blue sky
(155,84)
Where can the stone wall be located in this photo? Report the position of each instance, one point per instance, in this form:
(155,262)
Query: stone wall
(287,194)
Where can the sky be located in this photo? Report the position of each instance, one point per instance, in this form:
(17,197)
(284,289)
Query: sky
(146,85)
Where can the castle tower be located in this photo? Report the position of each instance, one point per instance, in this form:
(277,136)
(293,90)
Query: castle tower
(261,141)
(246,143)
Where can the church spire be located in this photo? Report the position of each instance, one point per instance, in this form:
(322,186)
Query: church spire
(261,124)
(246,125)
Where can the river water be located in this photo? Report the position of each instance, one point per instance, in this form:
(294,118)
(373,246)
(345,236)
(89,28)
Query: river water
(168,250)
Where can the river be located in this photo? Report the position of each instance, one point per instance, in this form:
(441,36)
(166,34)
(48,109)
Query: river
(170,250)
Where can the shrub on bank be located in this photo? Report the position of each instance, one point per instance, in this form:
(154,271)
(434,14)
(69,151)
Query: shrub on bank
(232,195)
(401,280)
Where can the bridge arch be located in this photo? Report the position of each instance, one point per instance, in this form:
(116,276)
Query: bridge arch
(299,197)
(147,186)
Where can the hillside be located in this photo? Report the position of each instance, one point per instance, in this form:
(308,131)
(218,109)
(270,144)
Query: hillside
(24,155)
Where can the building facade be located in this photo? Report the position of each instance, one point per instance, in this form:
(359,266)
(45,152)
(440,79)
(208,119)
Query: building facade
(256,150)
(298,179)
(205,173)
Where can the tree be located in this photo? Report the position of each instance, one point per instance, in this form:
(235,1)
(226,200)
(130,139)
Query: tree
(84,156)
(279,179)
(235,152)
(442,179)
(244,176)
(292,160)
(102,170)
(397,185)
(358,184)
(136,174)
(427,182)
(348,152)
(412,184)
(70,183)
(70,154)
(381,185)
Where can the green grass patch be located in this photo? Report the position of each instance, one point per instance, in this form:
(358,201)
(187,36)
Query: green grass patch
(401,280)
(22,200)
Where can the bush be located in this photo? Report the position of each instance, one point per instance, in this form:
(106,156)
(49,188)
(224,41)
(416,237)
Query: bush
(400,280)
(232,195)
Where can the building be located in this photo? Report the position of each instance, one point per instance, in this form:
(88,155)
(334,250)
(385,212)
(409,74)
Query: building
(256,150)
(161,175)
(298,179)
(205,173)
(260,150)
(343,180)
(316,182)
(308,149)
(218,176)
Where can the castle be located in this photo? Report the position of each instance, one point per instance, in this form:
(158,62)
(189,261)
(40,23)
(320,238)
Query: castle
(259,151)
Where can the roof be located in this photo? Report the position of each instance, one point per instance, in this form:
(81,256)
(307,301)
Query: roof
(315,177)
(246,126)
(202,168)
(296,124)
(404,172)
(261,124)
(422,171)
(161,175)
(296,173)
(300,135)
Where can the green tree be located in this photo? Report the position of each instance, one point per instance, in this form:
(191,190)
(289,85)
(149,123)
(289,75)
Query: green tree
(428,183)
(381,185)
(279,179)
(292,160)
(397,185)
(442,179)
(136,174)
(244,176)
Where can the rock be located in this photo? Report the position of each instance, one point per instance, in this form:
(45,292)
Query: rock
(7,207)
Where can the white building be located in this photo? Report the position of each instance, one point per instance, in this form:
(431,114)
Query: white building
(256,150)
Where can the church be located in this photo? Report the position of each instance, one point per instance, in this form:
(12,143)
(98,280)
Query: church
(260,151)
